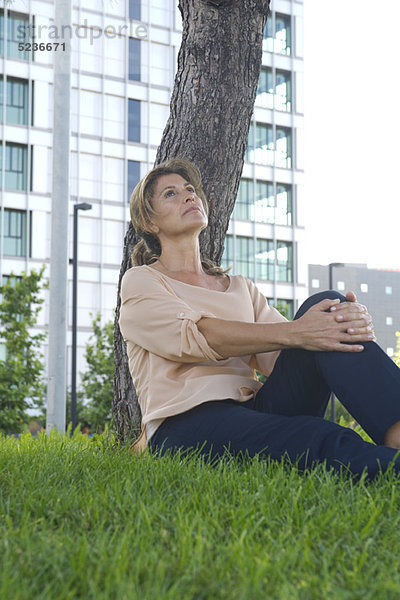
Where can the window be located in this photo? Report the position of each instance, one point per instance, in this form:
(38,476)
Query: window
(364,287)
(245,200)
(283,208)
(228,253)
(315,283)
(283,154)
(133,175)
(261,148)
(135,9)
(277,37)
(134,59)
(16,100)
(340,285)
(15,232)
(265,260)
(283,93)
(284,262)
(285,307)
(265,90)
(244,264)
(13,279)
(133,120)
(270,94)
(389,320)
(17,32)
(268,261)
(388,289)
(262,206)
(16,166)
(389,351)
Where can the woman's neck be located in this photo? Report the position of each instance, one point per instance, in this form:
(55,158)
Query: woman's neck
(183,259)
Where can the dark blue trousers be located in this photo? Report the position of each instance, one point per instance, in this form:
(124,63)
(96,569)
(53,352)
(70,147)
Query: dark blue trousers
(285,419)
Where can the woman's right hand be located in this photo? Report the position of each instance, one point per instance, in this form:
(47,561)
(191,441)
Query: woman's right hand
(319,330)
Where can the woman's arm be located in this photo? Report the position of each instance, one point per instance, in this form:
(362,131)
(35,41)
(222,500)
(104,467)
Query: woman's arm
(315,330)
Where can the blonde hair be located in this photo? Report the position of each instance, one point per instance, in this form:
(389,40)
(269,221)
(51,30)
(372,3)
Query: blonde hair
(148,249)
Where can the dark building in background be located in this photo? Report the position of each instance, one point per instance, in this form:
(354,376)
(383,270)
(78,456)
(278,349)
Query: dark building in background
(378,289)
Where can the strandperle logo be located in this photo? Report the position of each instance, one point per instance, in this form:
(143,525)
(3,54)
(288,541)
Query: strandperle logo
(27,31)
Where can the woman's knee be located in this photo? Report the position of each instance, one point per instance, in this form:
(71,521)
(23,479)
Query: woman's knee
(318,297)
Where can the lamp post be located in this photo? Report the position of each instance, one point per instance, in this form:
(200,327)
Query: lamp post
(81,206)
(332,398)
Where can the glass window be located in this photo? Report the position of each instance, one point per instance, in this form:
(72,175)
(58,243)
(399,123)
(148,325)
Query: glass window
(16,166)
(283,155)
(260,147)
(265,90)
(244,264)
(283,91)
(135,9)
(16,100)
(364,287)
(133,120)
(285,307)
(134,59)
(17,32)
(244,251)
(264,206)
(282,42)
(284,261)
(228,253)
(133,175)
(283,208)
(278,38)
(389,320)
(315,283)
(265,260)
(15,233)
(388,289)
(244,200)
(340,285)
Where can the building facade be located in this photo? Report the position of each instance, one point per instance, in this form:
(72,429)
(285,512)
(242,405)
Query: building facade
(124,55)
(377,289)
(264,239)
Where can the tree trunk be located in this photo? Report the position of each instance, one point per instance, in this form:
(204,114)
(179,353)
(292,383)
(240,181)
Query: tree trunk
(212,103)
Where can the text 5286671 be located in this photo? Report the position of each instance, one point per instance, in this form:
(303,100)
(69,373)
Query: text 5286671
(34,46)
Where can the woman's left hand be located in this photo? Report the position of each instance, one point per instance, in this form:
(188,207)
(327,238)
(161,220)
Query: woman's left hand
(341,315)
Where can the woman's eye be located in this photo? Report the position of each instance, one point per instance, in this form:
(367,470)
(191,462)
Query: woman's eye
(169,192)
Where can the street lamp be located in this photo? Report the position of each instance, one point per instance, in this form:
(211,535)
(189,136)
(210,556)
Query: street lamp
(81,206)
(332,398)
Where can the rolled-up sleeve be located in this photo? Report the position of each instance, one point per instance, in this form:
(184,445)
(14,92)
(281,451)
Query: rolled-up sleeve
(263,313)
(157,320)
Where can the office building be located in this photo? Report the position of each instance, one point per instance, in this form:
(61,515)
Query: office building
(377,289)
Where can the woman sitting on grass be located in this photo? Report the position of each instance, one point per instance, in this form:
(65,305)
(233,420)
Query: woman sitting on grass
(195,335)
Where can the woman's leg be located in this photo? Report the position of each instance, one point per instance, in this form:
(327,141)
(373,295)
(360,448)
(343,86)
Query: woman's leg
(367,383)
(220,425)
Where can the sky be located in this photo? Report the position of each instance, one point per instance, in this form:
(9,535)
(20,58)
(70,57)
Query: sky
(352,132)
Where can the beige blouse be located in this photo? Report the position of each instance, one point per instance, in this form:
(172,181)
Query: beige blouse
(172,366)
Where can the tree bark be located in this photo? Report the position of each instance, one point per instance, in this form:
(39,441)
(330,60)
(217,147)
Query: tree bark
(212,103)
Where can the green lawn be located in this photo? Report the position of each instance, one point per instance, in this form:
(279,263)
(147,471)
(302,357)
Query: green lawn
(79,519)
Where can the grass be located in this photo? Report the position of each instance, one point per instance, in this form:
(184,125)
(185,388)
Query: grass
(81,518)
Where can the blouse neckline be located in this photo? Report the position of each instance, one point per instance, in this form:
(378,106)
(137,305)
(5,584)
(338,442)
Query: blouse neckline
(191,284)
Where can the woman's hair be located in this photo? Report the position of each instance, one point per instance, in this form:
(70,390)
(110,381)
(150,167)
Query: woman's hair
(148,249)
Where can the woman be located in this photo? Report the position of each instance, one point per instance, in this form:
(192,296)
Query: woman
(195,335)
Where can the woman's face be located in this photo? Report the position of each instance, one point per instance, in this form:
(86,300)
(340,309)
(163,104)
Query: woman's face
(180,211)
